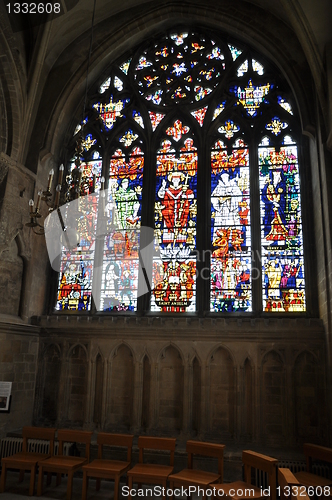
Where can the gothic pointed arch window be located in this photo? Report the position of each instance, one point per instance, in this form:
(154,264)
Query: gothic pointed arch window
(198,138)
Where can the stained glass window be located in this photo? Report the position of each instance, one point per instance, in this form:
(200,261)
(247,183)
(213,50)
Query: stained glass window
(120,268)
(281,228)
(174,271)
(230,228)
(216,130)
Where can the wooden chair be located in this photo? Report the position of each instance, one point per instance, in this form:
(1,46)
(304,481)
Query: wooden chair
(196,477)
(244,489)
(108,469)
(63,464)
(307,478)
(152,473)
(290,488)
(26,460)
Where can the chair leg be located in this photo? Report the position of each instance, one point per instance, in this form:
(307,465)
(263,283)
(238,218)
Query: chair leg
(20,479)
(49,478)
(3,478)
(116,487)
(40,482)
(32,480)
(70,485)
(171,486)
(98,481)
(130,486)
(58,479)
(84,486)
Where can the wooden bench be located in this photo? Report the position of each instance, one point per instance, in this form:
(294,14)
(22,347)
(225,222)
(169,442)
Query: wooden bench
(26,460)
(108,469)
(63,464)
(196,477)
(245,489)
(152,473)
(290,488)
(307,478)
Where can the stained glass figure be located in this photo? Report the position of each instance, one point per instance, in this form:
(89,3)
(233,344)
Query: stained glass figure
(105,85)
(276,126)
(155,98)
(285,105)
(138,118)
(229,129)
(111,111)
(119,283)
(155,119)
(125,66)
(234,52)
(174,273)
(199,114)
(281,229)
(230,229)
(128,138)
(76,271)
(219,109)
(88,142)
(251,97)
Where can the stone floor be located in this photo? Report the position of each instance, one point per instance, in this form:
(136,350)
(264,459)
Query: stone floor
(17,491)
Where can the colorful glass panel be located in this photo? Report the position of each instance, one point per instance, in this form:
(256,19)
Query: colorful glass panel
(128,138)
(199,114)
(276,126)
(234,52)
(174,271)
(119,282)
(281,229)
(257,67)
(111,111)
(251,97)
(167,72)
(219,109)
(155,119)
(76,269)
(138,118)
(105,85)
(88,142)
(229,129)
(230,229)
(118,84)
(285,105)
(125,66)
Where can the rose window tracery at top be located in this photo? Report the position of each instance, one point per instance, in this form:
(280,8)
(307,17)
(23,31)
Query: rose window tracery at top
(187,114)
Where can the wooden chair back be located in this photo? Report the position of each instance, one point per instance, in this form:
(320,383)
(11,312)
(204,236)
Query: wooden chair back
(72,436)
(121,440)
(315,451)
(155,443)
(38,433)
(286,481)
(208,450)
(264,463)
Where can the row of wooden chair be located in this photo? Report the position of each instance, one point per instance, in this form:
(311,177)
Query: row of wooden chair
(148,473)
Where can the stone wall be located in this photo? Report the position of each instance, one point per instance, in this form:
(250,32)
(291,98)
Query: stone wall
(237,381)
(18,364)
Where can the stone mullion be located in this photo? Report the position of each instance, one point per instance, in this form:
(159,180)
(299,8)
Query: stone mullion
(256,266)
